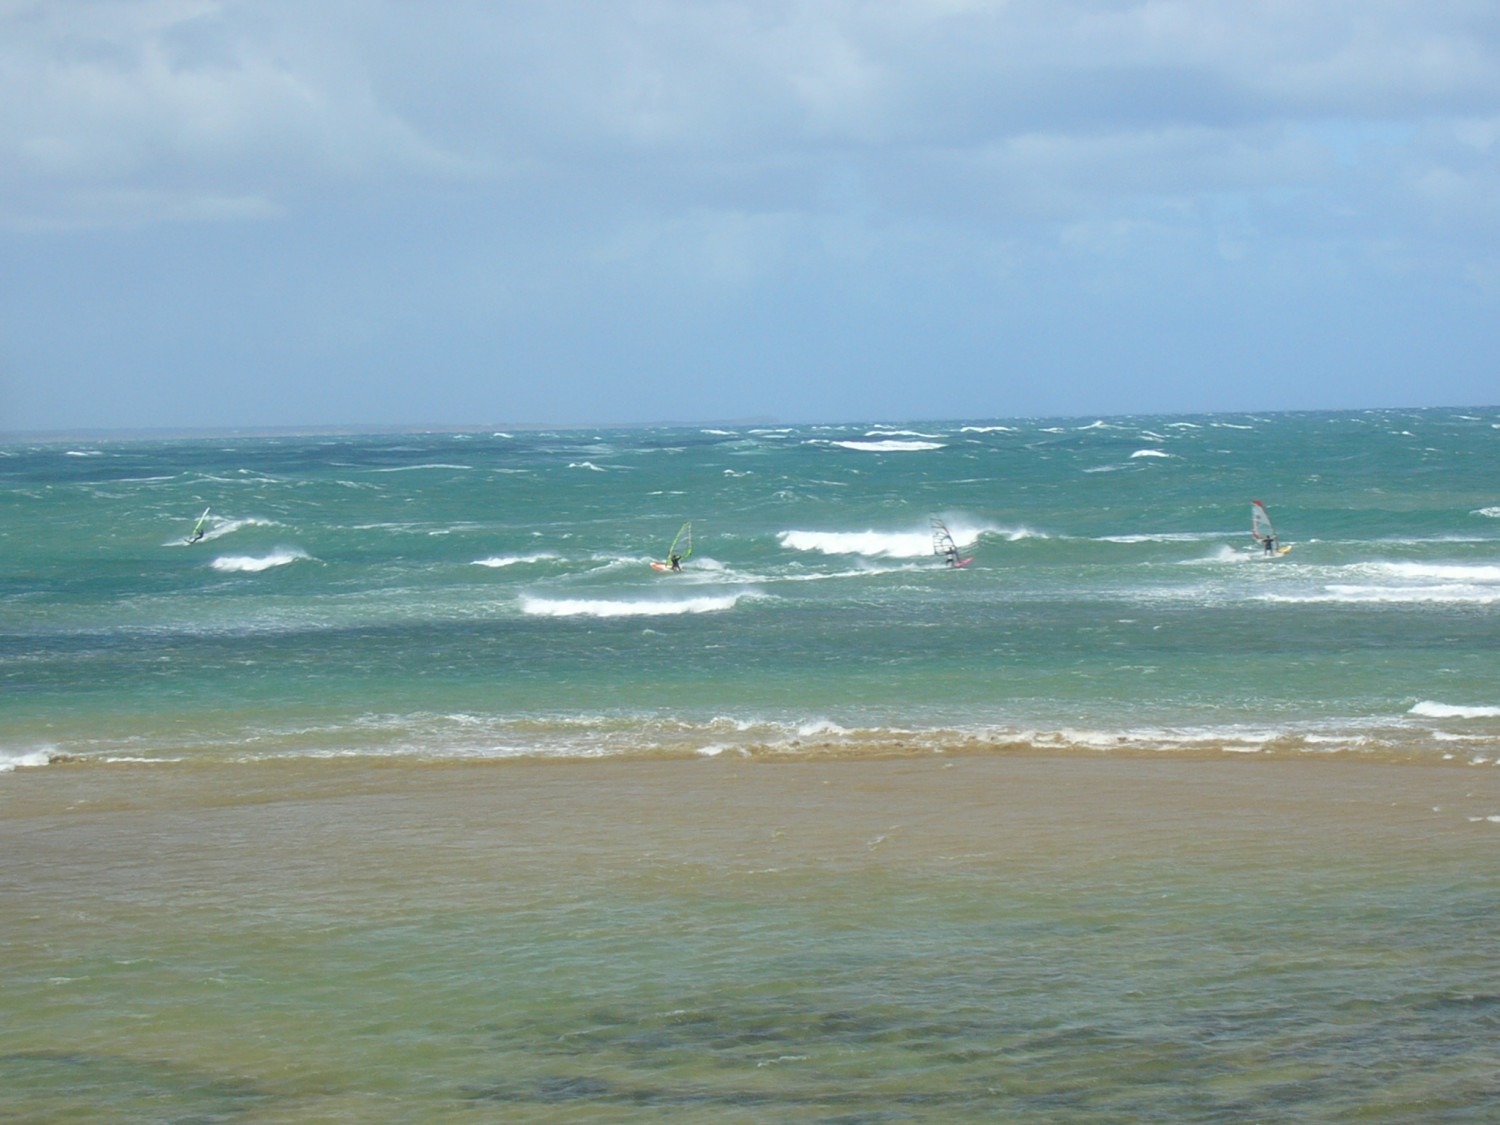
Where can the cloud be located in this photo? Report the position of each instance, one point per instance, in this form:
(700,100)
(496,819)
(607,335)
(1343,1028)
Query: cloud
(558,186)
(130,113)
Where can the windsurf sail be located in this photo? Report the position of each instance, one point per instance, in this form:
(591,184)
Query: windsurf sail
(198,527)
(681,548)
(942,542)
(1260,526)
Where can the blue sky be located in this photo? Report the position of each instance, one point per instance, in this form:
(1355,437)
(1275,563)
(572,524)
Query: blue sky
(383,212)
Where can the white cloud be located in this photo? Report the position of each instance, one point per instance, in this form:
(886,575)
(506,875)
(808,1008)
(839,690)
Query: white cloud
(171,110)
(783,181)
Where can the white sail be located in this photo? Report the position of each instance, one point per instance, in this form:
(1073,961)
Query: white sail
(1264,533)
(1260,522)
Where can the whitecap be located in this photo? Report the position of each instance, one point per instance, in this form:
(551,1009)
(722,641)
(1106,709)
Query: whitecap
(419,468)
(897,544)
(251,564)
(497,561)
(1446,572)
(890,446)
(821,728)
(641,607)
(1431,710)
(25,759)
(1149,453)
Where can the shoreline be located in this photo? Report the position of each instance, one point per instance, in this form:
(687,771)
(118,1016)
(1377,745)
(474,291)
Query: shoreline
(911,746)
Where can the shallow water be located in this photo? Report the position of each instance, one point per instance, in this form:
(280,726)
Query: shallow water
(979,939)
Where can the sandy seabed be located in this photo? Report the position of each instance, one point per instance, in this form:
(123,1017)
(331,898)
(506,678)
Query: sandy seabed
(84,822)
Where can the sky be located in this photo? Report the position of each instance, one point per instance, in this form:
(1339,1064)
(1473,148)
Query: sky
(262,213)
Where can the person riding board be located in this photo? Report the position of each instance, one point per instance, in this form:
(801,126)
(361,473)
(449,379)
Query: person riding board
(675,562)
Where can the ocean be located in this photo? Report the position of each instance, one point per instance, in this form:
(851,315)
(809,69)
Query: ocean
(410,791)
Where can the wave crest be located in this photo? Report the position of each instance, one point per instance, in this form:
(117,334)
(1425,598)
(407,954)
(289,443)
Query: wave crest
(253,564)
(1430,710)
(612,607)
(891,445)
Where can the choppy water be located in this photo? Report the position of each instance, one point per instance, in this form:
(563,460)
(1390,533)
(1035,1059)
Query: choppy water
(1118,824)
(484,595)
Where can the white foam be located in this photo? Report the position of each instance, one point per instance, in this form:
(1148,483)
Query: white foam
(1431,710)
(586,465)
(1410,583)
(1442,572)
(1429,595)
(820,728)
(891,446)
(420,468)
(1163,537)
(896,544)
(877,544)
(1149,453)
(903,434)
(498,561)
(611,607)
(23,759)
(251,564)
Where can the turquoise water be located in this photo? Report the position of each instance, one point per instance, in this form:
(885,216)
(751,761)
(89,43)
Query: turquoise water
(412,793)
(482,595)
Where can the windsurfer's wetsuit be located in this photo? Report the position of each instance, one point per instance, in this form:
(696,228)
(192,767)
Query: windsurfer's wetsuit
(675,562)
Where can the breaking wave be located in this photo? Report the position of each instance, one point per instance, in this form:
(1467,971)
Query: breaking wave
(253,564)
(615,607)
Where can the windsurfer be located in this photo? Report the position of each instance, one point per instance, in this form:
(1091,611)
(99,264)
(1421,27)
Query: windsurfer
(674,562)
(198,528)
(1269,542)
